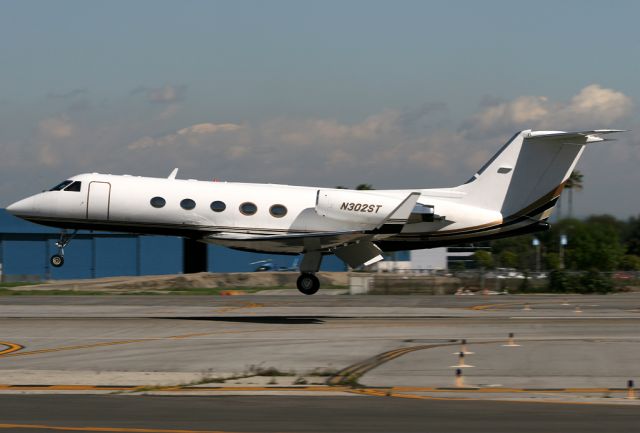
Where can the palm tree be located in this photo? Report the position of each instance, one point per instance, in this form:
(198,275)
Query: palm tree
(573,183)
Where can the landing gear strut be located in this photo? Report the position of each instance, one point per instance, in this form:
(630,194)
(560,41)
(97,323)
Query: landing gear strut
(57,260)
(308,283)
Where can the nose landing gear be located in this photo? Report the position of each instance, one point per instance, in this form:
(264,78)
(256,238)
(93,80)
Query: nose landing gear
(57,260)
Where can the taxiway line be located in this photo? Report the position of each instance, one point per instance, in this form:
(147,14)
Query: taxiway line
(355,371)
(11,347)
(491,306)
(104,429)
(381,393)
(81,346)
(314,388)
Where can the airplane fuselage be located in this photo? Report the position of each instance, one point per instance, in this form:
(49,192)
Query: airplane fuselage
(123,203)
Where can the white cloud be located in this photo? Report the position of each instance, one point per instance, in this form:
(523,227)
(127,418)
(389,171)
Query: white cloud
(391,144)
(169,111)
(54,134)
(596,104)
(198,134)
(164,94)
(167,94)
(168,97)
(55,128)
(592,108)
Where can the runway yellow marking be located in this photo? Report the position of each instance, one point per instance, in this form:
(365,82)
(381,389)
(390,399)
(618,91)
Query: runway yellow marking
(65,348)
(500,305)
(11,347)
(377,393)
(318,388)
(499,390)
(9,353)
(104,429)
(491,306)
(239,307)
(15,347)
(353,372)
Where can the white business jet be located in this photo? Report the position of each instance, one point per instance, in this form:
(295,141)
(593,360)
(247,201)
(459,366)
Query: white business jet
(512,194)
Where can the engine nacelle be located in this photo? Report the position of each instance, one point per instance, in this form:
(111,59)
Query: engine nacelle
(355,206)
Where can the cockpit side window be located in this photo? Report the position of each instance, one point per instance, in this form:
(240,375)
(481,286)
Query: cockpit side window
(61,185)
(75,186)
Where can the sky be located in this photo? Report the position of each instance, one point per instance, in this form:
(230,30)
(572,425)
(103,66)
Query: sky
(397,94)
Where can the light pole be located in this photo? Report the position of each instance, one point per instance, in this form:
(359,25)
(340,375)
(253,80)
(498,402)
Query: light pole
(536,243)
(563,244)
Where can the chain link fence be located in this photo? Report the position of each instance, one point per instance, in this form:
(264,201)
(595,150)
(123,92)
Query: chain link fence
(424,282)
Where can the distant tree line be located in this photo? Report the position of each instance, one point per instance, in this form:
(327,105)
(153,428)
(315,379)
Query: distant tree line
(595,248)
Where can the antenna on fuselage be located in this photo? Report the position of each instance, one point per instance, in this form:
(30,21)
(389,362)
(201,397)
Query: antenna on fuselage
(173,174)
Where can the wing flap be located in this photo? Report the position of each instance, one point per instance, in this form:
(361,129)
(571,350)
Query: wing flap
(363,253)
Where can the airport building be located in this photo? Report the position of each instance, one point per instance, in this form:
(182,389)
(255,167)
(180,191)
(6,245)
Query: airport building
(25,249)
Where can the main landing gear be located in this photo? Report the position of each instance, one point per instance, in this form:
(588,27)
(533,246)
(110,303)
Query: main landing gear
(57,260)
(308,283)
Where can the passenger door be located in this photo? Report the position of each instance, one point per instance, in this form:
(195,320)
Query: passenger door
(98,199)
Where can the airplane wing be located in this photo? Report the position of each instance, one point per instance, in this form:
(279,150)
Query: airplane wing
(356,248)
(293,242)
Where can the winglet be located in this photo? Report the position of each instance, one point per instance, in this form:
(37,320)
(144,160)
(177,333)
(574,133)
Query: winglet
(173,174)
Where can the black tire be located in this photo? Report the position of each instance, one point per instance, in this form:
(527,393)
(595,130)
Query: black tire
(308,284)
(57,260)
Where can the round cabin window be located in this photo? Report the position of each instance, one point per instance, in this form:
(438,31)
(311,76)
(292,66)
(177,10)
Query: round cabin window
(248,208)
(278,210)
(158,202)
(218,206)
(187,204)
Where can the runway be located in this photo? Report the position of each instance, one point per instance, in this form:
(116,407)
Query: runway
(236,414)
(341,362)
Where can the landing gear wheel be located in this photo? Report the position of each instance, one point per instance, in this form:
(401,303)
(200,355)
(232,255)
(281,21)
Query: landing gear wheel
(57,260)
(308,284)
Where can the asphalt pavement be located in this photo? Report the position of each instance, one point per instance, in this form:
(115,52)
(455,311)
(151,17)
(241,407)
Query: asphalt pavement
(246,414)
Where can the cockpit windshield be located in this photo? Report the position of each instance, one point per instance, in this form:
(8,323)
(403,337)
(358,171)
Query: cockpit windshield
(75,186)
(61,185)
(68,185)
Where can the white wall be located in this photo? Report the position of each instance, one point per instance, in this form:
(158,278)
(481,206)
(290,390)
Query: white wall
(432,258)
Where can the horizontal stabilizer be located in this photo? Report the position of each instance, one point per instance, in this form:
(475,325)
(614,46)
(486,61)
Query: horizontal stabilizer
(577,137)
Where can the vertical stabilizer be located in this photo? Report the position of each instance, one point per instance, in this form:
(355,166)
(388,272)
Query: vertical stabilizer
(526,176)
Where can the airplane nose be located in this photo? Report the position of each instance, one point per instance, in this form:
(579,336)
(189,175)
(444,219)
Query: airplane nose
(22,207)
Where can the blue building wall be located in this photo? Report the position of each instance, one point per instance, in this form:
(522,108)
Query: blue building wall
(159,255)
